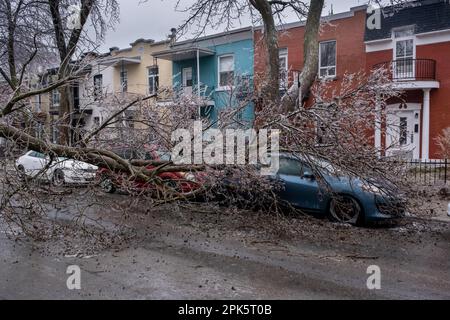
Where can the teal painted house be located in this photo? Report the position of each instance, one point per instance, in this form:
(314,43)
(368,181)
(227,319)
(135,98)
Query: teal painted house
(218,68)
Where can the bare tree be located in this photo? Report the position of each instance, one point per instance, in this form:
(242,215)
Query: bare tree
(216,13)
(443,141)
(67,40)
(336,128)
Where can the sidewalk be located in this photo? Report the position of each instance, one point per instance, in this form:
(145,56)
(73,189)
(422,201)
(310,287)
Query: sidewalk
(442,217)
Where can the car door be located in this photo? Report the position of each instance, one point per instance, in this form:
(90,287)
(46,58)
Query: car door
(300,191)
(40,161)
(33,163)
(28,162)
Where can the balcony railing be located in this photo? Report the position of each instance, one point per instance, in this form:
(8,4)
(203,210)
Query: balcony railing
(410,69)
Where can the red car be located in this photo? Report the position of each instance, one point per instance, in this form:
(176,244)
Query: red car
(110,181)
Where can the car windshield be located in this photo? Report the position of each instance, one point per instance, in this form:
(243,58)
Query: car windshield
(164,156)
(326,167)
(292,165)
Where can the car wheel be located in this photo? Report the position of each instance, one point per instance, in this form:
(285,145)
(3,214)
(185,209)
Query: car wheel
(58,178)
(345,209)
(107,185)
(21,171)
(172,185)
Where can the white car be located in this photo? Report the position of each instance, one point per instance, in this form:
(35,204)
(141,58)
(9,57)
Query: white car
(60,171)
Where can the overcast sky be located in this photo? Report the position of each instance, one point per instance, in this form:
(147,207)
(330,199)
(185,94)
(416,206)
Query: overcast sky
(154,18)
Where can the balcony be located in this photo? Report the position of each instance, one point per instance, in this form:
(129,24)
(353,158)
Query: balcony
(77,112)
(412,73)
(54,110)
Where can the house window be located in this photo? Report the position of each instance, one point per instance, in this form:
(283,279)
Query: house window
(153,80)
(37,103)
(187,77)
(404,54)
(124,80)
(327,59)
(283,60)
(96,122)
(98,85)
(130,121)
(76,96)
(226,70)
(56,98)
(404,32)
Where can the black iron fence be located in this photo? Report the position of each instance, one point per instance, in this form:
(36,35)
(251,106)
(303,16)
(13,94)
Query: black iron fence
(428,172)
(410,69)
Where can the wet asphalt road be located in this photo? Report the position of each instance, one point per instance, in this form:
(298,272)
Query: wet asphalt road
(181,254)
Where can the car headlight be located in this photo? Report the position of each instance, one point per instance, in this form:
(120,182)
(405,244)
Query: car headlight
(372,189)
(189,177)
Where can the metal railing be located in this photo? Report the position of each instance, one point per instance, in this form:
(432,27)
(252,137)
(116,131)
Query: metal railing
(428,172)
(410,69)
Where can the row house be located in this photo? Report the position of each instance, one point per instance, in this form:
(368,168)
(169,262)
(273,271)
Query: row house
(126,74)
(49,103)
(413,42)
(117,76)
(217,68)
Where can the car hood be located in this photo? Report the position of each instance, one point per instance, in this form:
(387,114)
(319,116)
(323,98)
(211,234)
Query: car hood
(77,165)
(346,183)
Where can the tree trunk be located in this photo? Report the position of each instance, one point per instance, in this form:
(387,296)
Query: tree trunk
(64,115)
(271,85)
(66,52)
(11,50)
(296,94)
(311,53)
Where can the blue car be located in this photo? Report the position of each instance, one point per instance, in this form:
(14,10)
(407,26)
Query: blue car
(341,198)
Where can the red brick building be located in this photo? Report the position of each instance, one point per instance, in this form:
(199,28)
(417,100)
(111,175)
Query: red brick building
(413,42)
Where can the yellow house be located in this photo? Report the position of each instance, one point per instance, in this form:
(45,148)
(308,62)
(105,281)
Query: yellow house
(135,71)
(120,76)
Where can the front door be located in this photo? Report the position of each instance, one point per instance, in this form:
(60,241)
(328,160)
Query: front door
(187,80)
(403,134)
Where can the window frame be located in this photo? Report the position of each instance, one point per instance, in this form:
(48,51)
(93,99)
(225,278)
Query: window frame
(404,28)
(184,77)
(396,40)
(123,80)
(96,121)
(98,90)
(76,99)
(284,82)
(300,164)
(55,93)
(155,77)
(328,67)
(226,87)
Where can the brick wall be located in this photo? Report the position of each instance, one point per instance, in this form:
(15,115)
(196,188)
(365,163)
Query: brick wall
(349,36)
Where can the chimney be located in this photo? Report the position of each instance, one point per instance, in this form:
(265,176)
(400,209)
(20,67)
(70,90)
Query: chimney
(113,49)
(172,36)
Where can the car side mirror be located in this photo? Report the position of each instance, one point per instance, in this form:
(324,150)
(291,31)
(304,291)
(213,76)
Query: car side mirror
(308,175)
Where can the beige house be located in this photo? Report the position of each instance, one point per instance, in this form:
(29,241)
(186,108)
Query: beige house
(121,74)
(135,71)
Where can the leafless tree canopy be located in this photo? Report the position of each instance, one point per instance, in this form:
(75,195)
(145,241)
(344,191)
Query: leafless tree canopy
(336,128)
